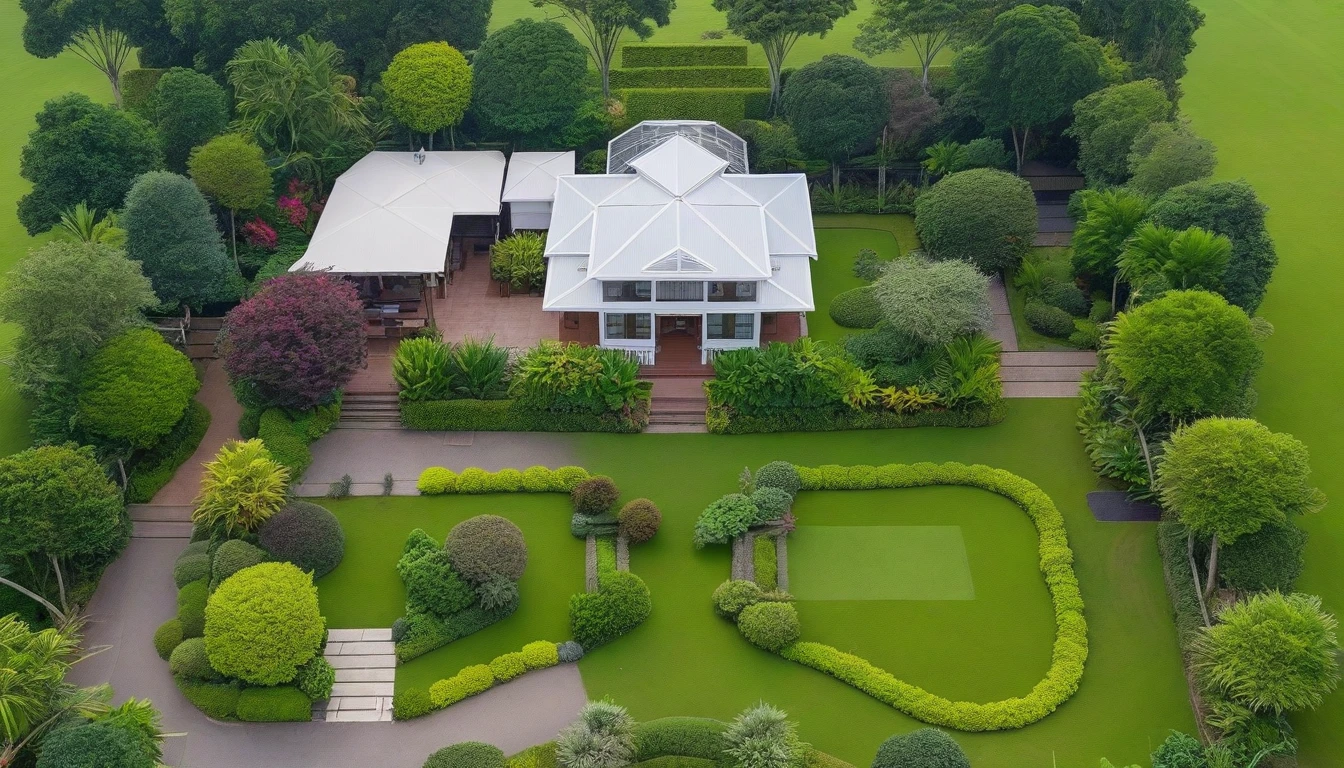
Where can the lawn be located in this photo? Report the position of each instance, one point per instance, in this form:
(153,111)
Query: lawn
(839,238)
(1265,74)
(1028,340)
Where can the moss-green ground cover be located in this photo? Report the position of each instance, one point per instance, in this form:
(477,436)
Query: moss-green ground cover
(1267,77)
(839,238)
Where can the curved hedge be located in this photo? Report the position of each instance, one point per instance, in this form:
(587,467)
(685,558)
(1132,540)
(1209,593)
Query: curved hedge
(1056,564)
(474,679)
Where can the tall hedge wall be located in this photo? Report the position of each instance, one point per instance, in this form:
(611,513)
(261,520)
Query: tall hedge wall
(725,106)
(691,77)
(692,55)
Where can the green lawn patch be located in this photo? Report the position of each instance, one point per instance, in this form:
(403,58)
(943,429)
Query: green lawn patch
(839,238)
(879,562)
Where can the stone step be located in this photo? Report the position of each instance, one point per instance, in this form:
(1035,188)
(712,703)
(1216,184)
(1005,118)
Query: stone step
(1062,357)
(207,323)
(362,675)
(160,530)
(368,425)
(160,513)
(201,351)
(1040,389)
(361,648)
(355,635)
(369,397)
(666,429)
(677,418)
(361,689)
(1043,373)
(370,661)
(358,716)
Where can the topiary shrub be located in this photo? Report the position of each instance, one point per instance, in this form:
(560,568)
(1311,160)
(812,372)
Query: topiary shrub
(619,605)
(468,754)
(568,478)
(983,216)
(263,623)
(540,654)
(436,480)
(473,480)
(855,308)
(569,652)
(316,678)
(1270,558)
(305,534)
(278,704)
(507,480)
(732,596)
(108,743)
(191,607)
(639,520)
(769,625)
(922,748)
(233,556)
(470,681)
(724,520)
(411,703)
(1050,321)
(167,637)
(189,661)
(771,503)
(189,568)
(781,475)
(693,737)
(433,586)
(217,700)
(507,666)
(485,545)
(595,495)
(1066,296)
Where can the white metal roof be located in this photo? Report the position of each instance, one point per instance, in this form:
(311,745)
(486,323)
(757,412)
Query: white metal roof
(392,214)
(532,175)
(623,149)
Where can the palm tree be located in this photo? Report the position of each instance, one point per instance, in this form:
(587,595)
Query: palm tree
(945,157)
(82,225)
(1100,237)
(1196,258)
(1146,251)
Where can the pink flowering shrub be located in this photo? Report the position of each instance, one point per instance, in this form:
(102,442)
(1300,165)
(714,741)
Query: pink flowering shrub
(299,206)
(296,343)
(259,234)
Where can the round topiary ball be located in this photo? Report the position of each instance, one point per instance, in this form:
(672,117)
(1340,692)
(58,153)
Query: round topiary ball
(731,597)
(983,216)
(771,503)
(769,625)
(595,495)
(487,545)
(233,556)
(639,520)
(306,535)
(263,623)
(569,652)
(923,748)
(189,660)
(856,308)
(167,637)
(468,754)
(781,475)
(191,567)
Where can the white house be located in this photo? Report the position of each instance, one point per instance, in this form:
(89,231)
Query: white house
(678,255)
(529,187)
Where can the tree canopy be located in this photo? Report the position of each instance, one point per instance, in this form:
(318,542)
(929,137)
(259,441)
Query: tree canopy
(189,109)
(1110,219)
(837,107)
(1191,258)
(1154,36)
(984,216)
(428,87)
(601,23)
(233,170)
(933,302)
(1166,155)
(371,32)
(136,389)
(928,26)
(1106,123)
(546,57)
(82,152)
(215,29)
(776,25)
(171,232)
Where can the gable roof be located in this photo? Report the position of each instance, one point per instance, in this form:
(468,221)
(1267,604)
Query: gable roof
(532,175)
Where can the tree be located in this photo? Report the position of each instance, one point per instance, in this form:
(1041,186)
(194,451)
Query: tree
(762,736)
(57,503)
(1154,35)
(1226,478)
(1166,155)
(82,152)
(776,25)
(1270,654)
(232,170)
(1106,123)
(1193,258)
(371,33)
(136,389)
(1185,355)
(602,22)
(920,748)
(1030,69)
(928,26)
(189,109)
(125,737)
(296,342)
(544,55)
(80,224)
(934,301)
(242,488)
(1100,237)
(102,34)
(216,29)
(1229,208)
(984,216)
(428,87)
(171,232)
(837,106)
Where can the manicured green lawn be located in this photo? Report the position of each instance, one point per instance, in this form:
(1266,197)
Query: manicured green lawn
(1028,340)
(1267,75)
(839,238)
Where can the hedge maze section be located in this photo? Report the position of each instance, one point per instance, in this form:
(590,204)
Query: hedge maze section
(691,82)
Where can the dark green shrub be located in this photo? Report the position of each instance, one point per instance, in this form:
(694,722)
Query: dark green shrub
(137,87)
(167,637)
(639,520)
(867,265)
(468,754)
(569,652)
(286,444)
(725,106)
(316,678)
(594,162)
(988,153)
(769,625)
(856,308)
(724,520)
(149,473)
(216,700)
(411,703)
(486,545)
(1270,558)
(619,605)
(512,416)
(984,216)
(781,475)
(731,597)
(922,748)
(595,495)
(722,422)
(1066,296)
(305,534)
(699,737)
(280,704)
(191,607)
(683,55)
(1179,750)
(433,586)
(691,77)
(498,594)
(108,743)
(263,623)
(189,568)
(189,661)
(771,503)
(582,526)
(1050,321)
(233,556)
(883,344)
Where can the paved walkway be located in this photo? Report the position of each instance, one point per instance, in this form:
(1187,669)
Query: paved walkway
(366,667)
(225,411)
(474,309)
(1033,374)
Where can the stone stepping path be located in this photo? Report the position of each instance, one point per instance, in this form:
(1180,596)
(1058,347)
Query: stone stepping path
(366,666)
(160,521)
(1033,374)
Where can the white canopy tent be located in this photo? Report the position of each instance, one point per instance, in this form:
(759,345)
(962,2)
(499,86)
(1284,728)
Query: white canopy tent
(392,212)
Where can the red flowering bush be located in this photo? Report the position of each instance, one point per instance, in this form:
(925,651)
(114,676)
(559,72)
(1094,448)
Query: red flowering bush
(259,234)
(298,205)
(296,343)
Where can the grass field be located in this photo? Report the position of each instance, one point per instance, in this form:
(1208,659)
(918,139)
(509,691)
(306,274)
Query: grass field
(1267,75)
(839,238)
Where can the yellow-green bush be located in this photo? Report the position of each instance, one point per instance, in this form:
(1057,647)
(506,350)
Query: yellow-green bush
(476,679)
(470,681)
(507,666)
(540,654)
(436,480)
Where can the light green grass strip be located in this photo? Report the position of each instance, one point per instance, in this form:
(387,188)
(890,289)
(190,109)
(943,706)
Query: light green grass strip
(877,562)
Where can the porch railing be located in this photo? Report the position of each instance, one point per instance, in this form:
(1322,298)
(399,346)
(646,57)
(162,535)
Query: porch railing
(644,355)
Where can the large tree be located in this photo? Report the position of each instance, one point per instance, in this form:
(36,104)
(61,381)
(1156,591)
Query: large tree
(171,232)
(984,216)
(1166,155)
(546,57)
(371,32)
(1106,123)
(837,107)
(189,109)
(135,390)
(1154,35)
(776,25)
(101,33)
(429,87)
(215,29)
(1028,72)
(928,26)
(232,169)
(82,152)
(603,22)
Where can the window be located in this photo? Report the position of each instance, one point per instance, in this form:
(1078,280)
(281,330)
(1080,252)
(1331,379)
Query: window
(627,290)
(628,325)
(745,291)
(681,290)
(730,326)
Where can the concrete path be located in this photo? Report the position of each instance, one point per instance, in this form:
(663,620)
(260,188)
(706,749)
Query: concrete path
(225,411)
(1055,373)
(366,668)
(1002,331)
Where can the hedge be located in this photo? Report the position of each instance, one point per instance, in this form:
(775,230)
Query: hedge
(679,736)
(477,678)
(508,416)
(856,308)
(767,567)
(287,437)
(722,421)
(218,701)
(1056,562)
(725,106)
(620,604)
(153,470)
(280,704)
(691,77)
(693,55)
(439,480)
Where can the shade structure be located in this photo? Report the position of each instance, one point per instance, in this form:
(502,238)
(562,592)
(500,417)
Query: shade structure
(392,212)
(532,175)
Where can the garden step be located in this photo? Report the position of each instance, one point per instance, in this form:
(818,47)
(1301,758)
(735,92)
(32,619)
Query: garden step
(1063,357)
(369,661)
(361,675)
(201,351)
(160,530)
(160,513)
(355,635)
(361,648)
(1044,373)
(1040,389)
(369,397)
(667,429)
(677,418)
(361,689)
(207,323)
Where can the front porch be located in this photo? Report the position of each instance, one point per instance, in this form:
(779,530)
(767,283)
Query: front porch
(679,342)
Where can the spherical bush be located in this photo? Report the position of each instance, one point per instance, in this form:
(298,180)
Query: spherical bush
(769,625)
(856,308)
(507,666)
(1270,558)
(781,475)
(569,652)
(771,503)
(540,654)
(411,703)
(316,678)
(233,556)
(436,480)
(468,754)
(639,520)
(983,216)
(1049,321)
(567,478)
(263,623)
(923,748)
(190,568)
(486,545)
(306,535)
(595,495)
(1066,296)
(731,597)
(189,660)
(167,637)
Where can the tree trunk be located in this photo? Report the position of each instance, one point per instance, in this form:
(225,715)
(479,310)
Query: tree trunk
(1115,287)
(924,80)
(774,86)
(114,77)
(57,614)
(835,181)
(881,182)
(60,584)
(233,238)
(1213,568)
(1194,575)
(431,141)
(605,66)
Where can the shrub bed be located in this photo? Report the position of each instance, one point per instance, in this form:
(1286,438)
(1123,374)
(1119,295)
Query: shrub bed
(511,416)
(722,421)
(691,77)
(281,704)
(439,480)
(477,678)
(683,55)
(153,470)
(287,436)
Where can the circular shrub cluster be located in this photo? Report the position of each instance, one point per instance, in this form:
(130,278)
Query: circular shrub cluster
(569,652)
(725,519)
(167,637)
(233,556)
(781,475)
(923,748)
(639,520)
(189,568)
(1066,296)
(985,217)
(731,597)
(769,625)
(436,480)
(486,545)
(263,623)
(434,587)
(468,754)
(189,661)
(856,308)
(306,535)
(771,503)
(595,495)
(1050,321)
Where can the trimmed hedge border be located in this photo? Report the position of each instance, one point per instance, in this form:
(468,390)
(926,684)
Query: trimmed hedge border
(1056,562)
(477,678)
(683,55)
(508,416)
(721,421)
(725,106)
(156,468)
(691,77)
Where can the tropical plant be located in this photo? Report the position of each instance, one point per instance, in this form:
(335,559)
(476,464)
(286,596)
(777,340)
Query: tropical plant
(805,374)
(422,369)
(601,737)
(1104,232)
(242,487)
(570,377)
(80,224)
(479,368)
(968,371)
(1194,258)
(945,157)
(908,400)
(763,737)
(517,260)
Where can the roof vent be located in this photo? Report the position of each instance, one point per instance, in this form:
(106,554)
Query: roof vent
(420,156)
